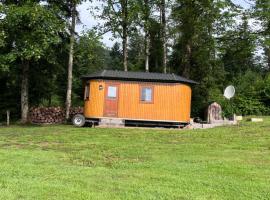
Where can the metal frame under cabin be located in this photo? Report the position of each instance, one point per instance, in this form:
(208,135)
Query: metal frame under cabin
(127,122)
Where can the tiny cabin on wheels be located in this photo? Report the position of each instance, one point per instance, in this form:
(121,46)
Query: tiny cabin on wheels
(136,98)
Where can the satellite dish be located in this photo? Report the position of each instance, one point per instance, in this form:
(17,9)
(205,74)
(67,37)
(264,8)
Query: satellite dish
(229,92)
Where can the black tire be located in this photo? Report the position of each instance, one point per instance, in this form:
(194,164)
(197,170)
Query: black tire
(78,120)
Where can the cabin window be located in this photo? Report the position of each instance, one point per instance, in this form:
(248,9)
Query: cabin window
(87,91)
(147,94)
(112,90)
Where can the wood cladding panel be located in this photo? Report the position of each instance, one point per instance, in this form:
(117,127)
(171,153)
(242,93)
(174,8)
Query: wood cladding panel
(111,103)
(170,102)
(94,106)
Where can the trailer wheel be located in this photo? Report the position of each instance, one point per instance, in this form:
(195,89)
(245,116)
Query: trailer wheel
(78,120)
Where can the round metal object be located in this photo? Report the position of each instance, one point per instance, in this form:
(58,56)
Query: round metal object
(78,120)
(229,92)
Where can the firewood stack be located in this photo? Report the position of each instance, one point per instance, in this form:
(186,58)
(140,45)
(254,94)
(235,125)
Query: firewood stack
(75,111)
(51,115)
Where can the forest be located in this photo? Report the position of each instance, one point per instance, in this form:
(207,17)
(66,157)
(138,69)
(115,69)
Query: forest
(216,43)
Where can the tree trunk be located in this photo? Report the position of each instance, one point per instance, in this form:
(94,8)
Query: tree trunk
(146,30)
(163,35)
(125,35)
(187,61)
(156,62)
(24,92)
(125,53)
(267,52)
(70,61)
(147,46)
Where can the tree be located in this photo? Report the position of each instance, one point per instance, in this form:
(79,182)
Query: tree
(144,21)
(195,50)
(69,13)
(163,23)
(155,46)
(71,55)
(201,40)
(262,13)
(137,52)
(90,56)
(238,50)
(116,61)
(119,17)
(32,29)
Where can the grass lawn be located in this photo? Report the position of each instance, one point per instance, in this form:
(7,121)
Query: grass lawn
(64,162)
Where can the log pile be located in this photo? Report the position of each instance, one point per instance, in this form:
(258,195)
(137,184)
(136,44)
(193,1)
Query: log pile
(51,115)
(75,110)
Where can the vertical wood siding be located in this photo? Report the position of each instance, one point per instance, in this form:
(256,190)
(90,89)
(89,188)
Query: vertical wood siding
(170,101)
(94,106)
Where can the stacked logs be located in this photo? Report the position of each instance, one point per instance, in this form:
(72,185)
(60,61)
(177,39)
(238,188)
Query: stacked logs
(75,111)
(47,115)
(51,115)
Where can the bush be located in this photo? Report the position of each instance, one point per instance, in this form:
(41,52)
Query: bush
(252,96)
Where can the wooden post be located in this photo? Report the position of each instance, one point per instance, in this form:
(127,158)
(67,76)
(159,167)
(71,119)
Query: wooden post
(8,114)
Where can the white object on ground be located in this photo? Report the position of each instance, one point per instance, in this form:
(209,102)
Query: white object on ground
(239,118)
(256,119)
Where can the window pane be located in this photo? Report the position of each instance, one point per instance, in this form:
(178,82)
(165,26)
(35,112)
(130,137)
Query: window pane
(146,94)
(87,91)
(112,91)
(143,94)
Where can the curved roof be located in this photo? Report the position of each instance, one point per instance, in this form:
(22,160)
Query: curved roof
(138,76)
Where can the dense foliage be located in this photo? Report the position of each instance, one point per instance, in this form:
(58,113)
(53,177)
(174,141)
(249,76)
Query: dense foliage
(215,43)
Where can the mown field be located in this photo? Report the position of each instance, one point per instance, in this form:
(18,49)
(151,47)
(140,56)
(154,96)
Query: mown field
(64,162)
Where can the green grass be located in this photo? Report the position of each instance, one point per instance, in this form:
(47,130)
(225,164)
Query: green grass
(64,162)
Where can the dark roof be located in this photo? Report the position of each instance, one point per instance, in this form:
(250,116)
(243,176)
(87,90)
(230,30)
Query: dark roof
(138,76)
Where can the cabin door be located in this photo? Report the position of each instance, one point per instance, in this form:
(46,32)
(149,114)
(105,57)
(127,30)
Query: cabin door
(111,100)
